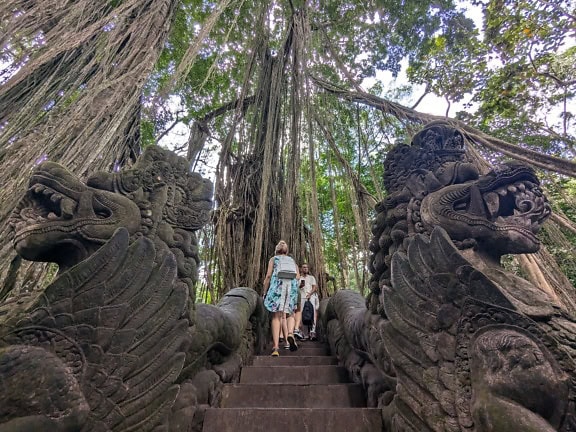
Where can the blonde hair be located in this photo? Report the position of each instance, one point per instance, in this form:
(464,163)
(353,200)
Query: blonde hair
(281,247)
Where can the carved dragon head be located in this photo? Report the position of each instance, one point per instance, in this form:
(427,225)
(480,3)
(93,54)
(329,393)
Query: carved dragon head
(502,211)
(432,183)
(63,220)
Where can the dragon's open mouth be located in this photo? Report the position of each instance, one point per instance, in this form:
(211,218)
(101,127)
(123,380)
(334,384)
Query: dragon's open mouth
(520,204)
(43,205)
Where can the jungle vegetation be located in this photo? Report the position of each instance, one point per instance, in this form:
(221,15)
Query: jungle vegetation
(291,106)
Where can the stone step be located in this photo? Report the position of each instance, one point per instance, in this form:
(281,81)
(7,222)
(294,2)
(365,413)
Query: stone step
(312,343)
(292,396)
(315,344)
(294,375)
(304,350)
(303,344)
(294,360)
(292,420)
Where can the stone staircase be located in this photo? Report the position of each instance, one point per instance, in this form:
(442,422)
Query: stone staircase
(299,391)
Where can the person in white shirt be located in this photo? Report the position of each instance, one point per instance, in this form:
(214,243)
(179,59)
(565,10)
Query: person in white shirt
(308,291)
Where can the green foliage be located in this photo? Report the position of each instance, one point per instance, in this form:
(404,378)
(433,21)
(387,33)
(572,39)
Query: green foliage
(203,295)
(563,253)
(452,62)
(561,192)
(515,27)
(517,69)
(530,79)
(515,76)
(147,133)
(510,263)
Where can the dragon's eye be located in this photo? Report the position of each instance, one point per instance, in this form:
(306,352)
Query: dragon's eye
(103,214)
(100,210)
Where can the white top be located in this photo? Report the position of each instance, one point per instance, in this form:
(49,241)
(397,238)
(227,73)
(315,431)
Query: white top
(310,281)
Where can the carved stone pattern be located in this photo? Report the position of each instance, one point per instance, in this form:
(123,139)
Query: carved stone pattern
(468,346)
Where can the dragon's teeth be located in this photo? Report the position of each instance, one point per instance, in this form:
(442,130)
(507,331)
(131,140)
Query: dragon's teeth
(67,206)
(38,188)
(56,198)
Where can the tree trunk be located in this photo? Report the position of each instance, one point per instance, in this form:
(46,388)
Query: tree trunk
(342,259)
(316,243)
(74,98)
(362,230)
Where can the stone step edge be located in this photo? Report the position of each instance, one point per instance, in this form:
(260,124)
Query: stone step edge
(311,410)
(300,367)
(292,384)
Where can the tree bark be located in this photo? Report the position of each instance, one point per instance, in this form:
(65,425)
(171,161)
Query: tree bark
(342,259)
(74,99)
(317,257)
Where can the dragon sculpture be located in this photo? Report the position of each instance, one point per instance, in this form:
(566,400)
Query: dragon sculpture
(63,220)
(116,342)
(448,340)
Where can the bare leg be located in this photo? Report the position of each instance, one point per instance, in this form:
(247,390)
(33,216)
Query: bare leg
(276,324)
(291,340)
(285,331)
(290,323)
(298,319)
(298,313)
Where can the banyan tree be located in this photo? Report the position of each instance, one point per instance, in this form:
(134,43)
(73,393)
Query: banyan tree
(291,106)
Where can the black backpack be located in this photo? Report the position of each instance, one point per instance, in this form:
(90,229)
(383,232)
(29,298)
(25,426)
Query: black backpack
(308,313)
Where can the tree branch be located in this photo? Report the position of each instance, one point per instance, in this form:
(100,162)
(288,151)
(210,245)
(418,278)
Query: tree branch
(531,157)
(245,102)
(562,11)
(172,126)
(553,77)
(563,222)
(339,63)
(426,91)
(358,186)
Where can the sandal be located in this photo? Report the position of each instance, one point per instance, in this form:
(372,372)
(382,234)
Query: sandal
(275,352)
(292,342)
